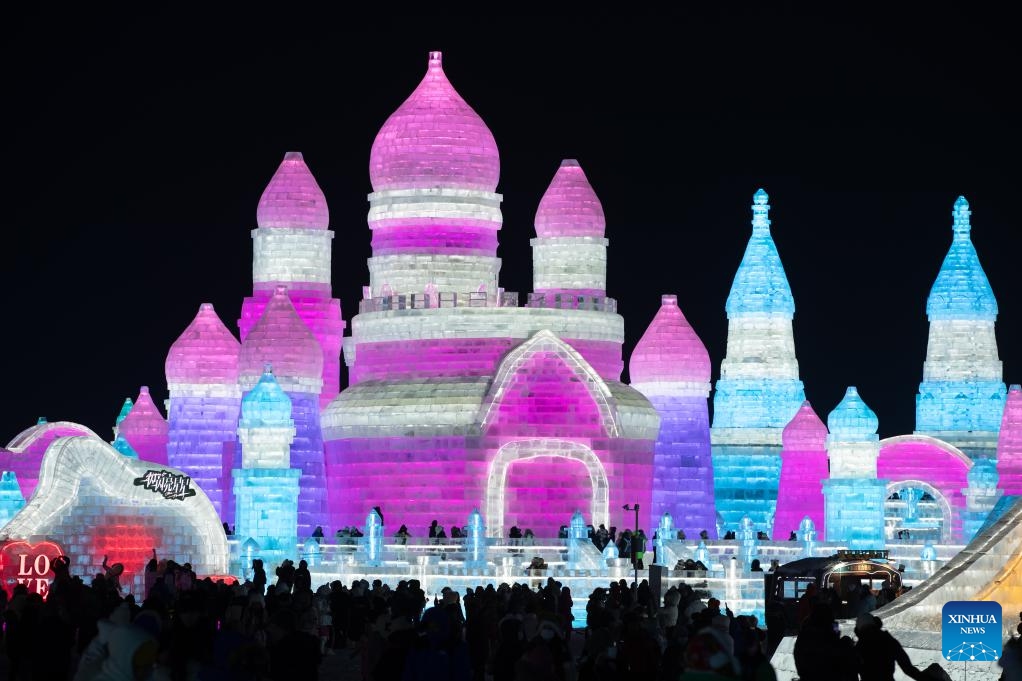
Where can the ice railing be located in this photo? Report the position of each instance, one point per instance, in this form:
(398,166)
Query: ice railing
(426,301)
(571,301)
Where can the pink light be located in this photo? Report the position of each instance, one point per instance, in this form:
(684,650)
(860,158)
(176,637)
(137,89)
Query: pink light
(434,139)
(669,350)
(570,207)
(803,468)
(206,352)
(293,198)
(146,430)
(912,457)
(25,452)
(1009,444)
(280,338)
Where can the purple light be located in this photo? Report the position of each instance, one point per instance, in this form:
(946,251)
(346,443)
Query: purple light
(570,207)
(1009,443)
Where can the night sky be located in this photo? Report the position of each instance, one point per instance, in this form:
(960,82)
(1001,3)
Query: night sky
(138,145)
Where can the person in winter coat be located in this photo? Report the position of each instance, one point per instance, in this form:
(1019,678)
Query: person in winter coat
(821,653)
(879,652)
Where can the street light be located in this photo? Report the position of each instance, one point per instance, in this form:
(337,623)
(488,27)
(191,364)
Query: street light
(635,535)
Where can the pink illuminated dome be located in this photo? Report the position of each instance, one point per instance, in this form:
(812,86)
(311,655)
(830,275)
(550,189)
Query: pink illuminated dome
(670,350)
(206,352)
(570,207)
(293,198)
(144,419)
(805,432)
(282,339)
(434,139)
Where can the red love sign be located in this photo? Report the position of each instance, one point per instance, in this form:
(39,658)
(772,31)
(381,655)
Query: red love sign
(28,564)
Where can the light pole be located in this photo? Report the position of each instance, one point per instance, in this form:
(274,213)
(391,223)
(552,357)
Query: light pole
(635,535)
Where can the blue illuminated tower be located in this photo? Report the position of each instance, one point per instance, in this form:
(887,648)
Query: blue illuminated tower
(266,487)
(11,498)
(759,390)
(854,497)
(961,398)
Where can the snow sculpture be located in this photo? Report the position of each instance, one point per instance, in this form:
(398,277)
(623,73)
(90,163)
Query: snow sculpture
(671,367)
(266,487)
(961,398)
(202,376)
(854,496)
(1009,443)
(759,389)
(803,470)
(145,429)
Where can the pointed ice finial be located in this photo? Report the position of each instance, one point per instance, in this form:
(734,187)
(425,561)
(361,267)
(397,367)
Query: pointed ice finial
(436,59)
(760,208)
(961,215)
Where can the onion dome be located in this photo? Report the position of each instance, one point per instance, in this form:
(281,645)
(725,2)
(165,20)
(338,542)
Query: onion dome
(805,432)
(293,198)
(760,285)
(144,419)
(962,290)
(852,419)
(434,139)
(570,207)
(266,405)
(206,352)
(669,350)
(280,338)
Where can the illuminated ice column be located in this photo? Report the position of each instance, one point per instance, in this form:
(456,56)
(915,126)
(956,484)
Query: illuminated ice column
(266,487)
(11,498)
(434,212)
(854,496)
(292,248)
(759,390)
(1009,444)
(980,496)
(803,470)
(569,253)
(145,429)
(202,375)
(961,398)
(280,338)
(125,410)
(671,367)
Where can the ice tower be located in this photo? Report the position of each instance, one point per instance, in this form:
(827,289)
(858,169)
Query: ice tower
(266,487)
(671,367)
(961,398)
(854,495)
(202,376)
(291,248)
(803,470)
(459,398)
(759,390)
(1009,444)
(280,338)
(145,429)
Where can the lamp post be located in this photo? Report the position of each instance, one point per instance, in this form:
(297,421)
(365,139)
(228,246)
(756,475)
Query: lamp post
(635,534)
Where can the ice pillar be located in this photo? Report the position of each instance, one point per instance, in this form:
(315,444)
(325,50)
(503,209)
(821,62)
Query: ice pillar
(803,470)
(1009,444)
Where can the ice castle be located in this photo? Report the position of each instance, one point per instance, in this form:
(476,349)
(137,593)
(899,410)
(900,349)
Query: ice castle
(465,396)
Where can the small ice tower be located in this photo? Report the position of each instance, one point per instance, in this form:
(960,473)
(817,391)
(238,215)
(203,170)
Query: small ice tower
(11,498)
(145,429)
(803,470)
(125,410)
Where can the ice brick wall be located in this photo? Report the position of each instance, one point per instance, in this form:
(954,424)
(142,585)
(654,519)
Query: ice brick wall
(804,467)
(145,429)
(1009,443)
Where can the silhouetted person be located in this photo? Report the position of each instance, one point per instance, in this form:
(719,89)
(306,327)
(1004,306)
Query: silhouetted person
(879,652)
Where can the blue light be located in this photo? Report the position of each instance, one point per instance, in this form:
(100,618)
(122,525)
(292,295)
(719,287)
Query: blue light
(962,290)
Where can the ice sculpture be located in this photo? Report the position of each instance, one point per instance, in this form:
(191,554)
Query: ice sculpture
(961,398)
(1009,443)
(807,535)
(266,487)
(759,389)
(981,496)
(671,367)
(125,410)
(664,534)
(747,540)
(291,248)
(803,470)
(24,453)
(94,501)
(11,498)
(476,542)
(282,340)
(373,539)
(569,253)
(854,496)
(202,376)
(145,429)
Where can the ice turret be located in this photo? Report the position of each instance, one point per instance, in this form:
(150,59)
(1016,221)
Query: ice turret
(569,253)
(1009,443)
(759,390)
(145,429)
(125,410)
(803,470)
(293,199)
(202,376)
(671,367)
(961,398)
(854,495)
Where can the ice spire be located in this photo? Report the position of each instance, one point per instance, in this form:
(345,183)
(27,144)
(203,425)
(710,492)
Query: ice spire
(145,429)
(803,469)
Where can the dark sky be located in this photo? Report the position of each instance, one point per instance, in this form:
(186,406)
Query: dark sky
(138,146)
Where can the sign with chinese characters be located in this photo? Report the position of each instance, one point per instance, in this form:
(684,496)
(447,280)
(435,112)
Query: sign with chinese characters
(971,631)
(29,564)
(170,485)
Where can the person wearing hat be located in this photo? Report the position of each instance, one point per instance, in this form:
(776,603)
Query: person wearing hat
(879,651)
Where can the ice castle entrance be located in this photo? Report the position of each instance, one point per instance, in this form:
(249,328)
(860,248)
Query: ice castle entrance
(918,510)
(537,484)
